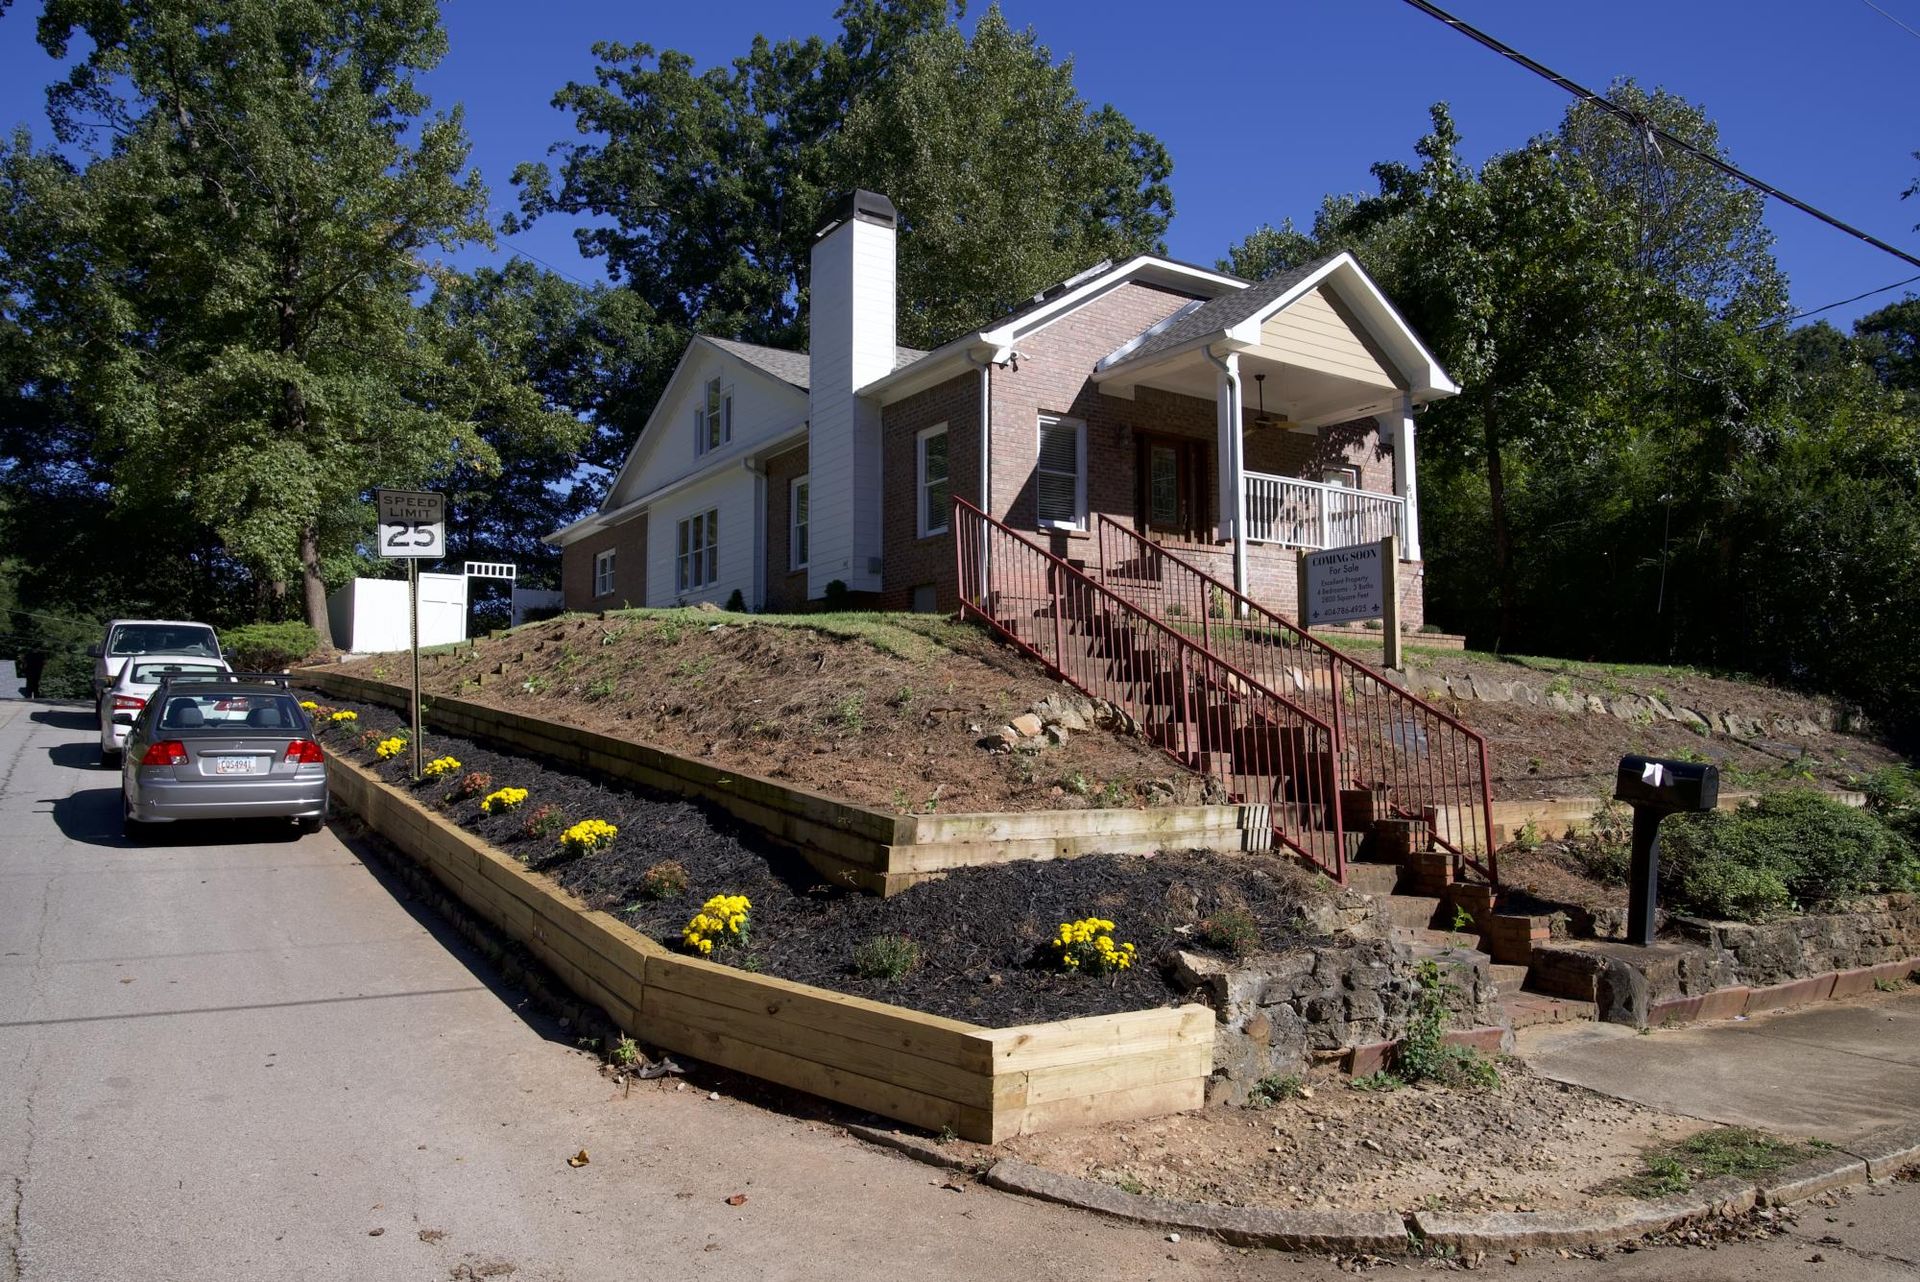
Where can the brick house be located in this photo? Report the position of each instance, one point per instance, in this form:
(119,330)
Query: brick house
(1233,422)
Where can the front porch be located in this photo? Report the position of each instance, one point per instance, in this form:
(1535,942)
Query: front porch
(1315,381)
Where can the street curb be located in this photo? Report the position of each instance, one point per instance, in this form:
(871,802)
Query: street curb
(1887,1151)
(1878,1155)
(1372,1231)
(1526,1230)
(1811,1178)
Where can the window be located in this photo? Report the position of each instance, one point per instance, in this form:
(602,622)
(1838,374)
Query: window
(603,573)
(1345,477)
(933,481)
(797,524)
(1060,474)
(713,418)
(697,564)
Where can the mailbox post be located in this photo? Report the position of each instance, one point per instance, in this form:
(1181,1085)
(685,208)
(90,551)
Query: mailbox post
(1656,788)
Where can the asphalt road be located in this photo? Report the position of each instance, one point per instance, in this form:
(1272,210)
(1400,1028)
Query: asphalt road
(235,1053)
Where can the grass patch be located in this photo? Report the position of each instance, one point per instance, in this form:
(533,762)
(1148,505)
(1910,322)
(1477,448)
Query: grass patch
(1728,1150)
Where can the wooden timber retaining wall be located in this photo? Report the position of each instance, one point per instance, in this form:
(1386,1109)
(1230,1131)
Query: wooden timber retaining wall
(987,1084)
(859,845)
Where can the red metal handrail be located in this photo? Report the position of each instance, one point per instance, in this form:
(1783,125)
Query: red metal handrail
(1195,706)
(1432,767)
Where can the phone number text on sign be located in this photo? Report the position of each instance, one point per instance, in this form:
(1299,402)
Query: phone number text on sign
(1344,584)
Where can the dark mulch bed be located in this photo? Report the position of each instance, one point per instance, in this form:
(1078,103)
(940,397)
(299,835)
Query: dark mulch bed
(979,929)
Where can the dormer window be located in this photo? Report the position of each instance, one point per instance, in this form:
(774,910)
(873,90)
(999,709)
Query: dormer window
(713,418)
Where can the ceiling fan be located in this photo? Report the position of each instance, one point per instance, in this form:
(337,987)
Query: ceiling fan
(1264,419)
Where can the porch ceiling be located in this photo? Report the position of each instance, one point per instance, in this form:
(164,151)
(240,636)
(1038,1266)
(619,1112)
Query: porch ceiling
(1304,395)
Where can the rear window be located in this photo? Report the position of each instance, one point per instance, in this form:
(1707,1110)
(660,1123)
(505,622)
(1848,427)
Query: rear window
(163,638)
(231,712)
(150,673)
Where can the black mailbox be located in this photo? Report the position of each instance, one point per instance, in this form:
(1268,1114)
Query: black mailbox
(1670,787)
(1656,788)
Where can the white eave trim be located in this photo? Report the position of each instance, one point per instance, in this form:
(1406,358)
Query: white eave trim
(746,456)
(955,358)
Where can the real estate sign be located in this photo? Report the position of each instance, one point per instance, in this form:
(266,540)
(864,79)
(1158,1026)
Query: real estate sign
(1344,584)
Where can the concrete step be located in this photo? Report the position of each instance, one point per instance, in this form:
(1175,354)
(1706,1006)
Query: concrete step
(1426,940)
(1510,978)
(1524,1009)
(1373,879)
(1414,911)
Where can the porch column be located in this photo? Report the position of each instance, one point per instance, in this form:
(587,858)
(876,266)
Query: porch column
(1233,488)
(1397,426)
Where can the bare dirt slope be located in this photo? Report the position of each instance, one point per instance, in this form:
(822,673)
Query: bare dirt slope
(1558,727)
(885,710)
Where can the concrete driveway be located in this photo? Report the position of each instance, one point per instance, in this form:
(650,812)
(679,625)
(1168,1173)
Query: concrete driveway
(1830,1071)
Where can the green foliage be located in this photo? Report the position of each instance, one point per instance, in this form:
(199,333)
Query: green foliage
(1423,1055)
(664,880)
(268,647)
(1232,930)
(886,957)
(1789,850)
(1377,1083)
(625,1053)
(1273,1089)
(1893,793)
(1711,1154)
(850,712)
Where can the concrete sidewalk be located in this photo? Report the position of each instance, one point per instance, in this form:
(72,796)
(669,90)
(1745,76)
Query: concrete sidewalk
(1831,1071)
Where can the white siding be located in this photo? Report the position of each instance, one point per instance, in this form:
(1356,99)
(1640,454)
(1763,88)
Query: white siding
(763,408)
(852,336)
(732,492)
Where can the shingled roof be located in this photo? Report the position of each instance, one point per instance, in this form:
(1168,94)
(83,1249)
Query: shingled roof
(1219,314)
(788,366)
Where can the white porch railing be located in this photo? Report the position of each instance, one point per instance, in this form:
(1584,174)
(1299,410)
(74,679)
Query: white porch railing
(1307,514)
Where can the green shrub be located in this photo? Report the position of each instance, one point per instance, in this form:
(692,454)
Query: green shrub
(1788,850)
(1893,793)
(268,647)
(886,957)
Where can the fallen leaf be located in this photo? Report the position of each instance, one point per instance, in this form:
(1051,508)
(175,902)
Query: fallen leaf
(578,1159)
(738,1199)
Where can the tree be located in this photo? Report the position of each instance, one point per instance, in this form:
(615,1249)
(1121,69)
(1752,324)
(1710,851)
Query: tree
(231,300)
(708,186)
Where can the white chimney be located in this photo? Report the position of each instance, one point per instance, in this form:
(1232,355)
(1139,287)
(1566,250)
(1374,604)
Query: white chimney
(851,319)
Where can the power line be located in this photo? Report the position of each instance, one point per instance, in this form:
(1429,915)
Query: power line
(1648,128)
(1890,18)
(1827,307)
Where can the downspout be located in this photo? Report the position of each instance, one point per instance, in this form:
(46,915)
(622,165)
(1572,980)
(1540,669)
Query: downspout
(760,532)
(1236,446)
(985,457)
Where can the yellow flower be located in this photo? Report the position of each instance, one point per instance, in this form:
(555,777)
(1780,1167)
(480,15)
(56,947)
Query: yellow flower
(389,748)
(439,766)
(502,799)
(344,715)
(308,705)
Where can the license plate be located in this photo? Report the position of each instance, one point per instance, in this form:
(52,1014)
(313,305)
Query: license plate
(233,765)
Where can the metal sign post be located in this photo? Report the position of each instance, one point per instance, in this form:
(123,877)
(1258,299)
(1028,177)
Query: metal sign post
(413,526)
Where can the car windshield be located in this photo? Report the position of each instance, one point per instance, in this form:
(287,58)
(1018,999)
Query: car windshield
(149,674)
(163,638)
(231,712)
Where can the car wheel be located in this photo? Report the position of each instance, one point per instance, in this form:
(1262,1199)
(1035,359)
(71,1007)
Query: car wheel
(314,823)
(134,830)
(109,759)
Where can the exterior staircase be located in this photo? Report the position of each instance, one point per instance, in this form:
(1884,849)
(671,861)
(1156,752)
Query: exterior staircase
(1357,776)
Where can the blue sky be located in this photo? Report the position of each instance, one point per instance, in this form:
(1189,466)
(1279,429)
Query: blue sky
(1267,105)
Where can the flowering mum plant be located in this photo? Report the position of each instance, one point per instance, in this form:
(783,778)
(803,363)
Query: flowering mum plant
(588,836)
(1087,947)
(503,800)
(343,716)
(389,748)
(473,784)
(543,822)
(721,920)
(308,705)
(439,766)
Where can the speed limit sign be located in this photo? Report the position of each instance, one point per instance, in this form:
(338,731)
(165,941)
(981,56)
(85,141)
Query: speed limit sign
(412,524)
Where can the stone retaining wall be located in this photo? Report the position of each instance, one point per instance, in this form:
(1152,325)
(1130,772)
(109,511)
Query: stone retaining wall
(1277,1013)
(1638,709)
(1884,928)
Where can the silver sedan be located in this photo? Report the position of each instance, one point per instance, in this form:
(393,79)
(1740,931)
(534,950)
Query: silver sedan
(223,749)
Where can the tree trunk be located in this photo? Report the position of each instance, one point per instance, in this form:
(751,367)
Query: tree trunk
(1502,536)
(313,589)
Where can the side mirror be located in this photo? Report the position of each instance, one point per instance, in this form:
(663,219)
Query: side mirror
(93,651)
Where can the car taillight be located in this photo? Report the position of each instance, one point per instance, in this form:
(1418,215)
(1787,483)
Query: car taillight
(167,752)
(128,703)
(305,751)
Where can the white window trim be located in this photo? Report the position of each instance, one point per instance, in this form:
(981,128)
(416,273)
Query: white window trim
(702,430)
(697,557)
(925,523)
(604,562)
(1080,474)
(794,560)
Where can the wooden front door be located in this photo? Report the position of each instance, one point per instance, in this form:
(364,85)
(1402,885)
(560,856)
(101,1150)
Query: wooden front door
(1171,491)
